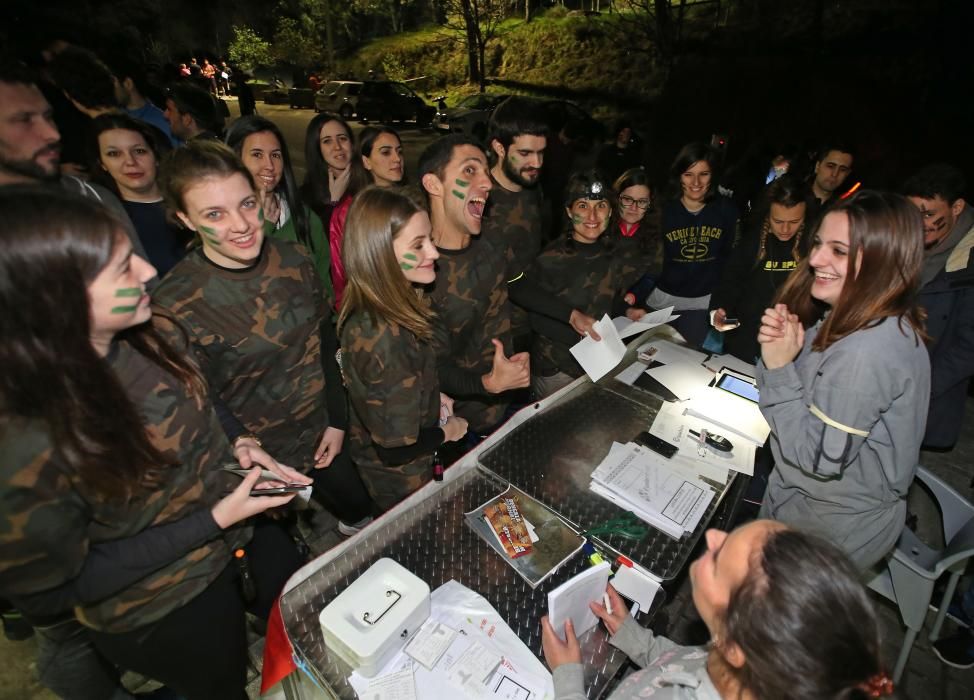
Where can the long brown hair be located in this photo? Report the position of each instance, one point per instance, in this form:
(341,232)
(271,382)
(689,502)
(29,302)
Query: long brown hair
(195,161)
(787,191)
(53,244)
(376,284)
(886,231)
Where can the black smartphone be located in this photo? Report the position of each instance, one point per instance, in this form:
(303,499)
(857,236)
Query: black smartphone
(278,490)
(658,445)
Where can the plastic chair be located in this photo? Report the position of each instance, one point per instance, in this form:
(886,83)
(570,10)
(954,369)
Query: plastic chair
(914,567)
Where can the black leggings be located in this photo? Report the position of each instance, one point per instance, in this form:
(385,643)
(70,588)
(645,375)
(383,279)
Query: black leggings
(200,649)
(339,488)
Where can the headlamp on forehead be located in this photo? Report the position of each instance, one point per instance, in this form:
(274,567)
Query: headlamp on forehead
(585,188)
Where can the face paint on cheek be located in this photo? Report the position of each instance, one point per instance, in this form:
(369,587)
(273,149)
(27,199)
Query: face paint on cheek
(128,292)
(938,225)
(124,309)
(408,265)
(462,183)
(576,219)
(459,195)
(260,215)
(210,234)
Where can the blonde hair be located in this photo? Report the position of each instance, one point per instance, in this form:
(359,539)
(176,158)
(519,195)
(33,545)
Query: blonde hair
(376,284)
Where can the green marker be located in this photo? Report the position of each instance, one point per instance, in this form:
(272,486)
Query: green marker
(123,309)
(459,195)
(128,292)
(462,183)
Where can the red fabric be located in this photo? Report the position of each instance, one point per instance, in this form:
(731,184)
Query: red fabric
(626,231)
(278,655)
(336,231)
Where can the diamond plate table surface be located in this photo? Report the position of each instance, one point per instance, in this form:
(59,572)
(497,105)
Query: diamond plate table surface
(550,456)
(433,541)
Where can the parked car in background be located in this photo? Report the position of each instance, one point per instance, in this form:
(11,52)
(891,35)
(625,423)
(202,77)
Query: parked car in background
(339,97)
(301,98)
(469,116)
(386,101)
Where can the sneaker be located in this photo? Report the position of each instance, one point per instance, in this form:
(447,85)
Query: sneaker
(349,529)
(956,651)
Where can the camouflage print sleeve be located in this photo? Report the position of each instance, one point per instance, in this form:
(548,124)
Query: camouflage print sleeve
(43,523)
(384,387)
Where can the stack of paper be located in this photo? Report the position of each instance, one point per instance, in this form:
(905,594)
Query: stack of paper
(464,650)
(639,480)
(627,327)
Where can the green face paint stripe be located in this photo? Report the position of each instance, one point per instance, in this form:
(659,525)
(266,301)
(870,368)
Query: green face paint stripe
(459,195)
(208,231)
(462,183)
(410,256)
(128,292)
(406,266)
(123,309)
(576,219)
(260,214)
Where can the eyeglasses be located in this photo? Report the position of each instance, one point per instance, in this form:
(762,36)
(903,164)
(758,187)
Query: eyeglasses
(627,201)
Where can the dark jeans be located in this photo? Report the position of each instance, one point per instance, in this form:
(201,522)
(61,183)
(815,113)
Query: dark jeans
(69,665)
(200,649)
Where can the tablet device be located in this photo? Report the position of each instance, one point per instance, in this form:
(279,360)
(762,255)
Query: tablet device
(737,386)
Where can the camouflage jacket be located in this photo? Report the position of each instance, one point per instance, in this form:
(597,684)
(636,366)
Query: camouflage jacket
(394,392)
(51,516)
(514,219)
(256,334)
(587,277)
(469,298)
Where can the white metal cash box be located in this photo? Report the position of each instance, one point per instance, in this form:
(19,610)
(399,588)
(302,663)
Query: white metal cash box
(375,616)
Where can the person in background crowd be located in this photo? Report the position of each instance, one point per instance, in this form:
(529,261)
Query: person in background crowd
(472,317)
(759,266)
(698,228)
(129,528)
(773,599)
(209,75)
(573,283)
(328,148)
(192,113)
(622,154)
(87,82)
(947,294)
(126,159)
(262,148)
(134,88)
(399,417)
(259,322)
(845,428)
(833,164)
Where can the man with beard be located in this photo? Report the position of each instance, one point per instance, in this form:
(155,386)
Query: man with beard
(832,167)
(472,326)
(30,145)
(947,293)
(517,138)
